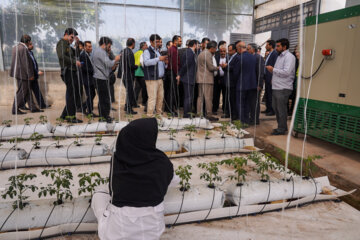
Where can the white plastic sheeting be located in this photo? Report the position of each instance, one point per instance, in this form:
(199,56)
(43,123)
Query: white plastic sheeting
(24,131)
(117,126)
(35,214)
(260,192)
(65,218)
(71,130)
(195,199)
(10,154)
(222,145)
(70,151)
(179,123)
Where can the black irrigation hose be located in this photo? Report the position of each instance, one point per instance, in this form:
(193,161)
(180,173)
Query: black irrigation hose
(293,190)
(237,212)
(181,205)
(212,203)
(312,75)
(67,153)
(22,131)
(47,221)
(7,219)
(46,152)
(2,161)
(2,130)
(92,149)
(28,155)
(266,199)
(315,189)
(82,218)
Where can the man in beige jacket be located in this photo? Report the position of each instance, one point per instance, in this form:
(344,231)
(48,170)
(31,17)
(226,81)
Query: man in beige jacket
(205,79)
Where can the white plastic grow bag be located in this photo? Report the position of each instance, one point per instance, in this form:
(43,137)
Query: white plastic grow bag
(180,123)
(25,131)
(195,199)
(217,145)
(260,192)
(68,223)
(71,130)
(35,214)
(117,126)
(70,151)
(167,145)
(10,154)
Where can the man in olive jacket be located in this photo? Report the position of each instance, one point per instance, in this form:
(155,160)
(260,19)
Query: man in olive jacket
(69,65)
(23,70)
(205,79)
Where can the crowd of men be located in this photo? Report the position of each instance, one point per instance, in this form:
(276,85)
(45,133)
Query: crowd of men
(195,78)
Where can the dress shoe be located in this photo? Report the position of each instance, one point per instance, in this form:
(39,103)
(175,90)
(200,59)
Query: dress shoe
(145,109)
(24,108)
(19,112)
(37,110)
(132,112)
(276,132)
(269,114)
(113,109)
(109,119)
(212,119)
(74,121)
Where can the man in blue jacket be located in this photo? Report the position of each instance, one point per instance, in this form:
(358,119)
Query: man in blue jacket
(187,75)
(246,86)
(270,61)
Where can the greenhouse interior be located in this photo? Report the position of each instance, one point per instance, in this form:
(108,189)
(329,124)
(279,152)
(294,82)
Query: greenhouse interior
(179,119)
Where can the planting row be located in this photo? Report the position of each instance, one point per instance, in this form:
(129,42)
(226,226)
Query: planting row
(61,129)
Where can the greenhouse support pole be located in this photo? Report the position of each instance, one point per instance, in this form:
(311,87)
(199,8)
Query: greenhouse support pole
(182,18)
(1,57)
(97,19)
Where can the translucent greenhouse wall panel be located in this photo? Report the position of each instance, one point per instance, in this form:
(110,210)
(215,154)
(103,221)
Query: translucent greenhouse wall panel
(217,19)
(164,22)
(45,22)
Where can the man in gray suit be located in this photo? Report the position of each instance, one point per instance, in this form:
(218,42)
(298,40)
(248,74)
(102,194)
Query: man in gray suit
(205,79)
(23,70)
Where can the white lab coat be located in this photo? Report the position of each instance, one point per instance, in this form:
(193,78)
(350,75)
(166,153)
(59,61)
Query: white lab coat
(130,223)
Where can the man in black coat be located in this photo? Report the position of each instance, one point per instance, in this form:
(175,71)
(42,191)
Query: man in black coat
(88,79)
(128,68)
(231,74)
(187,75)
(270,61)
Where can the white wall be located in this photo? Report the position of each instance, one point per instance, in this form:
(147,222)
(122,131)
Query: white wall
(279,5)
(276,6)
(260,39)
(331,5)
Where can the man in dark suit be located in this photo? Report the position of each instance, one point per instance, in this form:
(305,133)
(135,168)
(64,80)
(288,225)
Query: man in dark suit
(88,79)
(219,87)
(255,112)
(187,75)
(23,70)
(270,61)
(128,68)
(246,86)
(232,71)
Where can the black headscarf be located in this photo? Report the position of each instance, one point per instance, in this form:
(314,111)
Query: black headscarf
(140,173)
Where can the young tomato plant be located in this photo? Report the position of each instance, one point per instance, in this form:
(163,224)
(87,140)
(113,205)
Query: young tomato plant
(43,119)
(89,181)
(90,118)
(212,173)
(191,129)
(238,163)
(77,141)
(185,175)
(60,187)
(224,126)
(59,121)
(57,143)
(98,139)
(172,133)
(207,134)
(17,188)
(36,137)
(28,120)
(7,123)
(262,165)
(309,166)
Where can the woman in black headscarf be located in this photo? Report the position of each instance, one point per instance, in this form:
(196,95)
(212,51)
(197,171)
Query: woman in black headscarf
(139,177)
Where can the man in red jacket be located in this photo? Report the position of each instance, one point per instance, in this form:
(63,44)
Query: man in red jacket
(170,84)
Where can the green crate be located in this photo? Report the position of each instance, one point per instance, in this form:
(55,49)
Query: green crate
(332,122)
